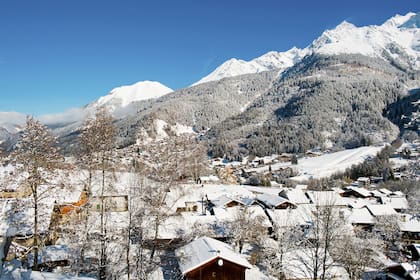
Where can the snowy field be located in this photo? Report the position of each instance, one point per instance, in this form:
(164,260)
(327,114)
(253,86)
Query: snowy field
(326,165)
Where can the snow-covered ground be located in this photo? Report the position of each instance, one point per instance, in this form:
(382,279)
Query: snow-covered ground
(325,165)
(328,164)
(13,271)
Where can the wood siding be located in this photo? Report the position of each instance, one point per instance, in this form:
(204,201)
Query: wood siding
(212,271)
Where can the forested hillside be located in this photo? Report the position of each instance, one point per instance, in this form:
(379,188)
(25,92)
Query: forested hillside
(322,102)
(405,112)
(200,106)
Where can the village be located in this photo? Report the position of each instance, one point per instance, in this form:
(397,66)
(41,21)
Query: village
(263,218)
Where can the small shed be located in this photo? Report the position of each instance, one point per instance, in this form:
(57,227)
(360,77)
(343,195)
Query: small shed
(208,258)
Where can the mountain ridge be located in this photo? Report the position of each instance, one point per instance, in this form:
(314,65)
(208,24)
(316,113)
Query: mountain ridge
(212,103)
(372,40)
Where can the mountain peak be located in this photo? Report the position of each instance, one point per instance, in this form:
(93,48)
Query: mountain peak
(386,41)
(398,20)
(412,22)
(345,25)
(124,95)
(266,62)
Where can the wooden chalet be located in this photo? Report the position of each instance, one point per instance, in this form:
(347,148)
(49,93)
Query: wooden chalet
(358,192)
(275,202)
(208,258)
(225,201)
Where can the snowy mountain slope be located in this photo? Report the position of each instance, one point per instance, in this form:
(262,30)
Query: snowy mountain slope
(12,121)
(269,61)
(397,40)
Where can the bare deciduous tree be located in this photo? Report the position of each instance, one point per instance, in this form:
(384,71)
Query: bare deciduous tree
(37,156)
(246,227)
(285,238)
(326,227)
(97,141)
(387,229)
(357,254)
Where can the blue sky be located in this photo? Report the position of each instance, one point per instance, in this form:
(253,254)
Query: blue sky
(60,54)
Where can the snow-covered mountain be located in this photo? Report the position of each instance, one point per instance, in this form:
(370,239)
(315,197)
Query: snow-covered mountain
(12,121)
(120,101)
(269,61)
(123,96)
(396,40)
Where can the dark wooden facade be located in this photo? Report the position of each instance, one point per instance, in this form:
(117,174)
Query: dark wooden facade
(213,271)
(285,205)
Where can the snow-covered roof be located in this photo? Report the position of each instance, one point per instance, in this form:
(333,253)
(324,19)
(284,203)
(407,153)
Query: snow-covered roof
(290,217)
(381,209)
(361,191)
(248,201)
(172,227)
(409,224)
(182,225)
(325,198)
(398,203)
(216,190)
(232,213)
(385,191)
(223,200)
(361,216)
(261,190)
(13,270)
(272,200)
(377,193)
(255,274)
(296,196)
(204,250)
(357,202)
(398,193)
(51,253)
(410,270)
